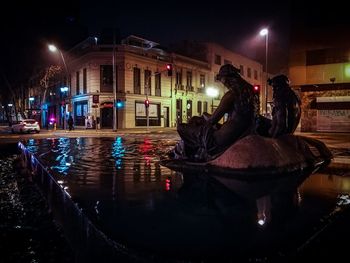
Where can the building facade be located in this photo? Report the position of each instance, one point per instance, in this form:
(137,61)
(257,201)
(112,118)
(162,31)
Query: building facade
(251,70)
(322,78)
(122,77)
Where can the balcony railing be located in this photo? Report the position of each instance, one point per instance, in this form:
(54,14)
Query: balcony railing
(189,88)
(179,86)
(201,90)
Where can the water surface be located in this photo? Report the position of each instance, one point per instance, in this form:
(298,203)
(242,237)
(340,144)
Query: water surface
(124,190)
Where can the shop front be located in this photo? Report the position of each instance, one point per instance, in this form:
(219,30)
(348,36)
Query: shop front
(106,115)
(154,116)
(80,112)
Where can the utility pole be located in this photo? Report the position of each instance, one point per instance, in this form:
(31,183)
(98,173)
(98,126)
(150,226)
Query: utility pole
(114,88)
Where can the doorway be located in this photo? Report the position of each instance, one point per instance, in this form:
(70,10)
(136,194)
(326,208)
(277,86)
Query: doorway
(107,118)
(179,111)
(166,116)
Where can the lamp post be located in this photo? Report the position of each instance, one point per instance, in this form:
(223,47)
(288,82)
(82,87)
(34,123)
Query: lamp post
(115,117)
(65,89)
(265,32)
(53,48)
(213,93)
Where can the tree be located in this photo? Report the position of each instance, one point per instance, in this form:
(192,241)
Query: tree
(47,75)
(12,95)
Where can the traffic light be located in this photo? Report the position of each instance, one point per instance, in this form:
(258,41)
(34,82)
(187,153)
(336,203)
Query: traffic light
(256,89)
(169,68)
(147,103)
(119,103)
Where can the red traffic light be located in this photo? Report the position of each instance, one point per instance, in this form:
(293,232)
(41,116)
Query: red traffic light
(169,68)
(256,88)
(147,103)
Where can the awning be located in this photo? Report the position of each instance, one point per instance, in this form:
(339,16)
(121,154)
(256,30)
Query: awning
(106,104)
(333,103)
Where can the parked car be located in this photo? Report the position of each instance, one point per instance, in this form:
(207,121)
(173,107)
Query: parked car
(26,125)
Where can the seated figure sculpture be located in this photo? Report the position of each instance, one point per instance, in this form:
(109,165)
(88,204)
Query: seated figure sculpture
(203,137)
(286,107)
(248,143)
(286,110)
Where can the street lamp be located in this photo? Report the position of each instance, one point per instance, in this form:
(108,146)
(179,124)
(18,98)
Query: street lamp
(265,32)
(213,93)
(65,89)
(53,48)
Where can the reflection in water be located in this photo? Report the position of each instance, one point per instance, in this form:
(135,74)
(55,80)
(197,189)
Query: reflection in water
(118,152)
(135,201)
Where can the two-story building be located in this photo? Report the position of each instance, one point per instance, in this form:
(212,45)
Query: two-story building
(122,77)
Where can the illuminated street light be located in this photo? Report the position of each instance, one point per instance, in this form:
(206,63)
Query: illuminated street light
(265,32)
(53,48)
(64,89)
(213,93)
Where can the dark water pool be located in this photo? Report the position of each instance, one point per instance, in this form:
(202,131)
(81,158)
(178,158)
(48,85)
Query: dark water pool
(134,200)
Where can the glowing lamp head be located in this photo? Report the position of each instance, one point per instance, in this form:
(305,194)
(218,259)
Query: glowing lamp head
(212,92)
(264,32)
(52,48)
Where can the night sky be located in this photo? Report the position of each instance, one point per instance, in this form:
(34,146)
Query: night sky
(26,29)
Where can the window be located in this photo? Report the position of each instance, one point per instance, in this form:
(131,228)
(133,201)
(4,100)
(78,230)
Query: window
(255,74)
(205,106)
(217,59)
(137,81)
(189,81)
(106,78)
(178,78)
(199,107)
(80,112)
(84,81)
(241,69)
(215,74)
(154,114)
(189,109)
(226,61)
(249,73)
(148,82)
(202,81)
(77,82)
(158,84)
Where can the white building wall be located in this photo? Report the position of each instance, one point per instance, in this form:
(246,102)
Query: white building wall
(125,63)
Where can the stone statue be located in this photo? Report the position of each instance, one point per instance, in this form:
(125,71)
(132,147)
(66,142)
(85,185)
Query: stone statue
(286,110)
(203,137)
(286,107)
(248,141)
